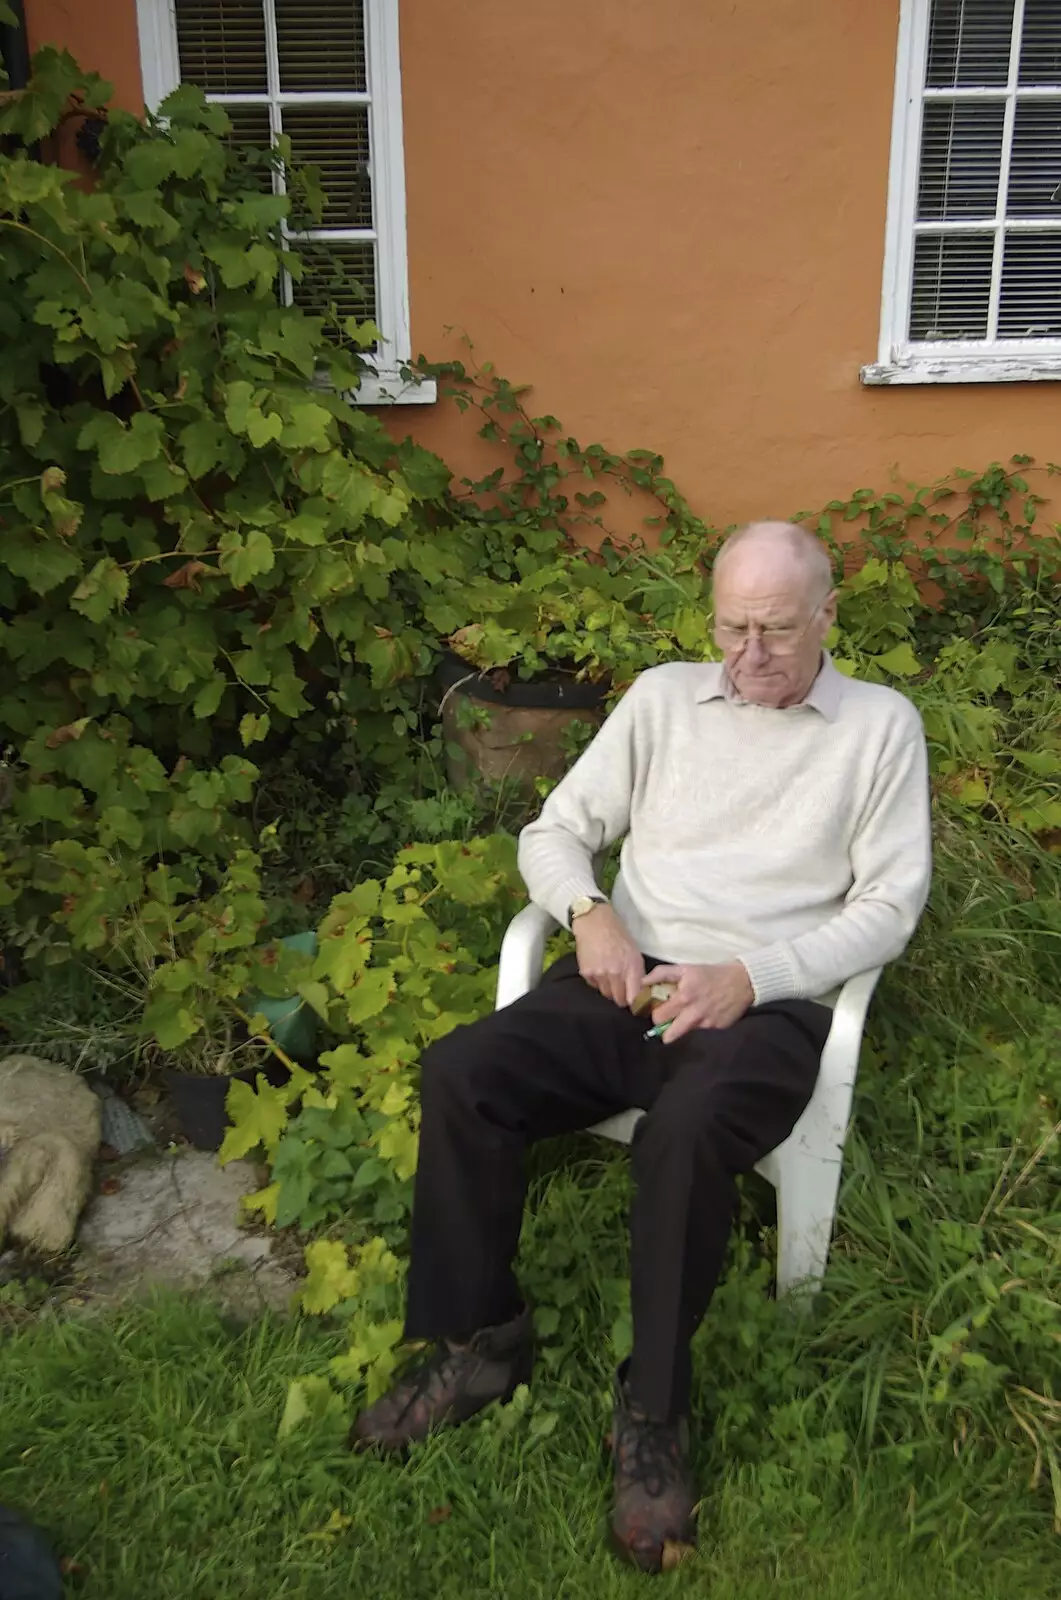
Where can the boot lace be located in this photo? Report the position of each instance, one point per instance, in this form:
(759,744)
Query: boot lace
(650,1455)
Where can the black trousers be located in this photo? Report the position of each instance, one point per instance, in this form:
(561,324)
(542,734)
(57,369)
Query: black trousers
(560,1059)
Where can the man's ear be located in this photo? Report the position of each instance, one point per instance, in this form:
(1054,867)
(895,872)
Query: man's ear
(828,609)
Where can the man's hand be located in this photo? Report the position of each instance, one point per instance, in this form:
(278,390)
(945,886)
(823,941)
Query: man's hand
(704,997)
(608,959)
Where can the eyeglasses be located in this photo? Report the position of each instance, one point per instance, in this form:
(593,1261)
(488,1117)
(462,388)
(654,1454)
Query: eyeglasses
(777,640)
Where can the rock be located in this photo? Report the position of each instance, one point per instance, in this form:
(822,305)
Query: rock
(49,1133)
(173,1221)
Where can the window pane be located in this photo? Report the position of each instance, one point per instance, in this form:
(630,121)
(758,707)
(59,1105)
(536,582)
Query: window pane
(335,139)
(969,43)
(952,286)
(961,153)
(321,44)
(1040,50)
(251,132)
(1035,163)
(1030,298)
(343,275)
(221,44)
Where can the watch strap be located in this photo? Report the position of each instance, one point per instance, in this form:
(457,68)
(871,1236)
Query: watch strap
(583,903)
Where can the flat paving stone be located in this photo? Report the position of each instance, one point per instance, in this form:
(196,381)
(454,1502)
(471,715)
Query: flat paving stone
(172,1220)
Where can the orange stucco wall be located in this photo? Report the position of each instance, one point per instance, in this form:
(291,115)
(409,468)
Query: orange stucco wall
(101,36)
(669,219)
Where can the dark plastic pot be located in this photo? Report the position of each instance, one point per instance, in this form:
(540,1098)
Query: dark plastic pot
(199,1099)
(539,694)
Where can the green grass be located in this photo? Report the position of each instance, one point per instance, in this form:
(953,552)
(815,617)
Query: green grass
(902,1442)
(145,1441)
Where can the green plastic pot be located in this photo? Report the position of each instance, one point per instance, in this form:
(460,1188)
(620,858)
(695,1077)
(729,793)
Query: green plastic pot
(292,1023)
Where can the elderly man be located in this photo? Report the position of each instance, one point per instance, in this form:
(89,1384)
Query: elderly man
(775,820)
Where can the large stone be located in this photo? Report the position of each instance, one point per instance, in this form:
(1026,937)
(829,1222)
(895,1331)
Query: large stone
(173,1220)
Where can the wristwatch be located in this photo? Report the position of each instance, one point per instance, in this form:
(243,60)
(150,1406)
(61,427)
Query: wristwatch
(583,903)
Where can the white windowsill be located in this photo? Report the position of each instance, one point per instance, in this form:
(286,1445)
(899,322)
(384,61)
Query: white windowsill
(391,389)
(996,369)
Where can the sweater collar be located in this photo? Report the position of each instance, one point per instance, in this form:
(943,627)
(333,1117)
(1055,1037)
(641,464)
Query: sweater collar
(823,695)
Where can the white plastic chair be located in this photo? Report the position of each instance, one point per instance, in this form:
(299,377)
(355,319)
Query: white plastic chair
(805,1170)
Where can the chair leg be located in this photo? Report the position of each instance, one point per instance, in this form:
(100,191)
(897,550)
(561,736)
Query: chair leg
(806,1208)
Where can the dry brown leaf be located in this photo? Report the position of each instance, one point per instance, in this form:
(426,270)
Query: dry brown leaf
(194,279)
(439,1514)
(186,577)
(67,733)
(110,1185)
(674,1554)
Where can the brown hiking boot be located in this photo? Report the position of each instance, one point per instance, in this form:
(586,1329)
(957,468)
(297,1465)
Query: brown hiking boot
(450,1385)
(654,1510)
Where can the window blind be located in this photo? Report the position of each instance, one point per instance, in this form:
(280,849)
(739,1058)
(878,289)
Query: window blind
(299,68)
(986,260)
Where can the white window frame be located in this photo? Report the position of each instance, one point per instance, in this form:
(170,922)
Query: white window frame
(899,359)
(160,71)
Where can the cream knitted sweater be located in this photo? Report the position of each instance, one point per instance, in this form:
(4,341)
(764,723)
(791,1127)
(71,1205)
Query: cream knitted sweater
(796,840)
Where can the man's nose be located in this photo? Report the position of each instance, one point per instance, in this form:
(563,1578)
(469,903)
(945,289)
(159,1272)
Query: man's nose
(755,651)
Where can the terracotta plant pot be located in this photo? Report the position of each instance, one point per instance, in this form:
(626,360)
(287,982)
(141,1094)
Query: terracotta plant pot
(520,735)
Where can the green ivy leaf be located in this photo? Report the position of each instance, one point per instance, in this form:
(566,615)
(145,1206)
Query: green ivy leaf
(43,564)
(262,429)
(101,591)
(370,995)
(286,694)
(118,823)
(204,446)
(209,697)
(258,1115)
(239,397)
(121,449)
(253,727)
(899,661)
(31,417)
(170,1021)
(244,559)
(310,427)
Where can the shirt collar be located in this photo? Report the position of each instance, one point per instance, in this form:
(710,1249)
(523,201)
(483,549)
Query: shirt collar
(823,696)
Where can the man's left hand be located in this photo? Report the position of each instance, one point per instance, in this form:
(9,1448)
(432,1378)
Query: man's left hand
(704,997)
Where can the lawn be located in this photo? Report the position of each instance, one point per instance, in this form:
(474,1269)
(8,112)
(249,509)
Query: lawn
(900,1439)
(146,1442)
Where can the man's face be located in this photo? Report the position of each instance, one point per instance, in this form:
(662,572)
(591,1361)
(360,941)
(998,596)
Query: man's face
(770,623)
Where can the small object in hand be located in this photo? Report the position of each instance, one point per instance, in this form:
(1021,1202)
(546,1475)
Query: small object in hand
(653,994)
(654,1033)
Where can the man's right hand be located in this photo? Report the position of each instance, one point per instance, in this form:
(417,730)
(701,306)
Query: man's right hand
(608,959)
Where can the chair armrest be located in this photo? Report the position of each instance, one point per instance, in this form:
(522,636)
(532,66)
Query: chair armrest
(523,954)
(822,1129)
(842,1048)
(820,1132)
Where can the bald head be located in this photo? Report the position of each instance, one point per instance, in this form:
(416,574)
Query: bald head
(774,605)
(783,549)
